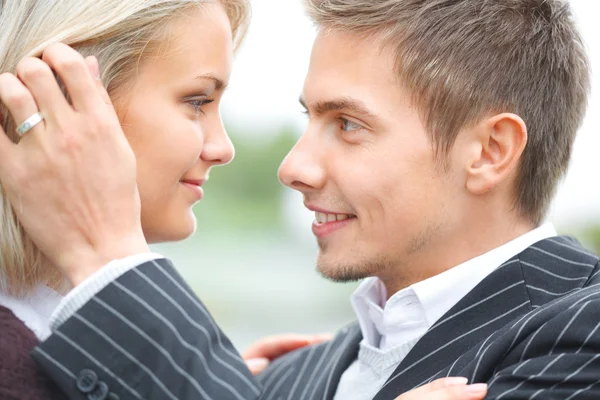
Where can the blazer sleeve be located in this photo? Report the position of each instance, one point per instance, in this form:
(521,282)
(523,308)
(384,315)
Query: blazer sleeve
(558,360)
(145,336)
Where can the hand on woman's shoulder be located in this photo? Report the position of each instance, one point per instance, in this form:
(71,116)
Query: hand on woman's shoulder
(20,378)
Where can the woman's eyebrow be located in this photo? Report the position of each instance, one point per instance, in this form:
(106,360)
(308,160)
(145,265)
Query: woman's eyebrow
(219,83)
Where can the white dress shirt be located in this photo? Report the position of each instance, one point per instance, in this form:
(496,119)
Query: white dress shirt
(391,329)
(34,310)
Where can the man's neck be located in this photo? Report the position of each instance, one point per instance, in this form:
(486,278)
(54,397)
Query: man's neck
(452,250)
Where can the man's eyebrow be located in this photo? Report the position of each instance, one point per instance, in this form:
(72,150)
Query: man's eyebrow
(341,104)
(219,83)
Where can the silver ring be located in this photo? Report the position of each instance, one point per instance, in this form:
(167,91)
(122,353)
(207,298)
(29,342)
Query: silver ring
(29,123)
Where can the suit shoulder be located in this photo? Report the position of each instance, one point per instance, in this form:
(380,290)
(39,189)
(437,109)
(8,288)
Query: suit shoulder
(315,354)
(293,360)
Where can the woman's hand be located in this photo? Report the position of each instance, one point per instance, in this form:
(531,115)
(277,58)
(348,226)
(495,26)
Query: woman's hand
(260,354)
(447,389)
(71,179)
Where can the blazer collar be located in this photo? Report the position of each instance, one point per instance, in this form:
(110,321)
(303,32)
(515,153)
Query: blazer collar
(346,351)
(504,295)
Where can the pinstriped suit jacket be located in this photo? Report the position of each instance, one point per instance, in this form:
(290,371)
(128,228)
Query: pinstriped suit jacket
(531,330)
(145,336)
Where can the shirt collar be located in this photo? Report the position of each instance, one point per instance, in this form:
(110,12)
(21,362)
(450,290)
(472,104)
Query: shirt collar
(410,312)
(34,309)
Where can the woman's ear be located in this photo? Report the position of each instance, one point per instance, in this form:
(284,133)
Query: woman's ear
(501,140)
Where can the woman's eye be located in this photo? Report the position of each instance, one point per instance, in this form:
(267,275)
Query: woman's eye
(198,103)
(349,126)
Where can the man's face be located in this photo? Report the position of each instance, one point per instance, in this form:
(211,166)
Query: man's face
(366,165)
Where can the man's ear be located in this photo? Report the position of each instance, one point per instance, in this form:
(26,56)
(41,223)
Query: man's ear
(500,141)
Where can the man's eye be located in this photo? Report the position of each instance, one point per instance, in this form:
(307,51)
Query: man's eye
(349,126)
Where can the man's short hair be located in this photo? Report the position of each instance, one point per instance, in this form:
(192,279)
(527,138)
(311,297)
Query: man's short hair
(462,60)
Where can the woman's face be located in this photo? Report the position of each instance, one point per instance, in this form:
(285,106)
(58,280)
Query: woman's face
(170,115)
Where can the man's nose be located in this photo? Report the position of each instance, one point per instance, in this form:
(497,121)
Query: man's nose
(303,168)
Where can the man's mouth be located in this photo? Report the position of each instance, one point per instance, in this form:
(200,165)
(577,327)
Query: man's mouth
(323,218)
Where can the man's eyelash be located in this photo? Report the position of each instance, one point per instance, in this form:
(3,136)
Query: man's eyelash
(345,121)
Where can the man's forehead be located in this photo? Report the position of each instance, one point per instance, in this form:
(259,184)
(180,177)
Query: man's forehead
(339,57)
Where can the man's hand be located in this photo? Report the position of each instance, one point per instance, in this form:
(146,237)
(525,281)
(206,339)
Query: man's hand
(259,355)
(447,389)
(72,179)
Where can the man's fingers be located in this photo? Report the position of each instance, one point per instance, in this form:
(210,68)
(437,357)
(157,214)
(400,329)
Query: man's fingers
(257,365)
(94,67)
(7,148)
(42,84)
(18,99)
(74,72)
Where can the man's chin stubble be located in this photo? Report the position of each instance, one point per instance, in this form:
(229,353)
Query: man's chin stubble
(344,272)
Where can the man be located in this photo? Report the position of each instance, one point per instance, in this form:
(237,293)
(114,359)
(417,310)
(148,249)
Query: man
(438,133)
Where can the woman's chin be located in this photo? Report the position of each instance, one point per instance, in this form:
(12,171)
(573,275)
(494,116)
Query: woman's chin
(174,232)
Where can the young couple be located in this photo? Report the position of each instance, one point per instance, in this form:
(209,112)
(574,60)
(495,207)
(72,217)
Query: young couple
(438,133)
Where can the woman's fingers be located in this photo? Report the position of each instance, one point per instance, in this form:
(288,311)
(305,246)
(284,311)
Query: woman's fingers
(257,365)
(459,392)
(433,387)
(42,85)
(18,99)
(447,389)
(75,75)
(261,353)
(275,346)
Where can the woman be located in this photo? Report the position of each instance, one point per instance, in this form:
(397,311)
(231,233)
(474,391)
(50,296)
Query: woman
(120,34)
(165,64)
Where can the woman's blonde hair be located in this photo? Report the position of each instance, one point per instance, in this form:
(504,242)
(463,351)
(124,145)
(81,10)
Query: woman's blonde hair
(119,33)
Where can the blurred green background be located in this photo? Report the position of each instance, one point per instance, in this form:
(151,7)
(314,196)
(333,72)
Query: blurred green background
(251,265)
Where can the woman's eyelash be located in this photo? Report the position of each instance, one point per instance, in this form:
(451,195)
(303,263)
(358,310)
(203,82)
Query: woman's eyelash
(198,103)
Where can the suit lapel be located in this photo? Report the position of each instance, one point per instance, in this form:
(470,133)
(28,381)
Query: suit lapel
(345,354)
(498,299)
(528,280)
